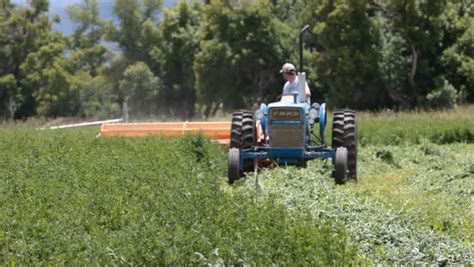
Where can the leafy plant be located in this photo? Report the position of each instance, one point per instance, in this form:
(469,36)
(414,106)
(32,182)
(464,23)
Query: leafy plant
(69,198)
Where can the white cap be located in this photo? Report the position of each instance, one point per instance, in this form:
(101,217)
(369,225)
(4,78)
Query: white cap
(287,67)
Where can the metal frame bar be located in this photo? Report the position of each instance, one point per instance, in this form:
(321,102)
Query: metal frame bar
(264,152)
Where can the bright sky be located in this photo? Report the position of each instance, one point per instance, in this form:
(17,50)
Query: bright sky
(59,3)
(65,3)
(58,7)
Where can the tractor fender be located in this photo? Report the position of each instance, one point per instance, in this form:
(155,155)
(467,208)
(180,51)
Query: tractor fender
(322,120)
(263,120)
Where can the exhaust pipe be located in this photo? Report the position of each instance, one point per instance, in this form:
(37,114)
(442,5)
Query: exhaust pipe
(305,28)
(301,73)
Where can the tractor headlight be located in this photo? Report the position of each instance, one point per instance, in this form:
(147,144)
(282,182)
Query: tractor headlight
(259,114)
(313,113)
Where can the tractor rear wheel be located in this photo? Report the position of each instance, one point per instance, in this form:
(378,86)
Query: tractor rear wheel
(341,171)
(243,131)
(233,165)
(249,130)
(236,130)
(344,134)
(243,134)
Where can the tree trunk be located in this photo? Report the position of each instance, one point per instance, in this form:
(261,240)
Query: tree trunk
(207,111)
(125,112)
(215,109)
(12,107)
(412,74)
(398,98)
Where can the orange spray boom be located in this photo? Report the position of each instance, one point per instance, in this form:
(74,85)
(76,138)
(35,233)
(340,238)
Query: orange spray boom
(219,131)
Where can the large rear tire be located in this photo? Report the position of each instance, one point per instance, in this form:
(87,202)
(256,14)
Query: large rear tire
(344,134)
(248,130)
(243,130)
(249,137)
(341,171)
(243,135)
(236,130)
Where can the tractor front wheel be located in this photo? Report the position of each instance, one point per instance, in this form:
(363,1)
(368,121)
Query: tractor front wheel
(233,165)
(341,171)
(303,164)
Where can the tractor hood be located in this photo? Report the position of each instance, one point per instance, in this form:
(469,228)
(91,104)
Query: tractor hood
(289,104)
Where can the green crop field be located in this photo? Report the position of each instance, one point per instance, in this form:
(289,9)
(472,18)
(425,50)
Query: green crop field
(67,197)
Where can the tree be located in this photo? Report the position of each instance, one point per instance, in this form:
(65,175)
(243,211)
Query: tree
(140,88)
(383,53)
(23,30)
(420,50)
(8,83)
(138,31)
(346,62)
(457,59)
(419,24)
(9,90)
(289,11)
(114,74)
(48,72)
(88,52)
(88,58)
(241,52)
(96,96)
(136,35)
(175,55)
(393,63)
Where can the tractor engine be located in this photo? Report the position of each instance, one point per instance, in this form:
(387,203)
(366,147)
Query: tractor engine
(286,127)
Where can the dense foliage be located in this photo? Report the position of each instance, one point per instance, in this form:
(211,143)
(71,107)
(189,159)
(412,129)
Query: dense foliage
(70,198)
(198,57)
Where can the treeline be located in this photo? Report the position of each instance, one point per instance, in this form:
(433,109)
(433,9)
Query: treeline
(202,56)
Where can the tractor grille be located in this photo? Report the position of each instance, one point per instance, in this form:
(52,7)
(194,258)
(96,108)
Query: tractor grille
(287,135)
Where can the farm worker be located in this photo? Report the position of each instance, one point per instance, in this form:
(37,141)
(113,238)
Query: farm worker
(291,85)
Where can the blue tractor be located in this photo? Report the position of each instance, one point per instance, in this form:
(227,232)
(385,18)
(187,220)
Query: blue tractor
(285,133)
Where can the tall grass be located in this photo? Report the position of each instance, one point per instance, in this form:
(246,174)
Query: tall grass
(441,127)
(383,127)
